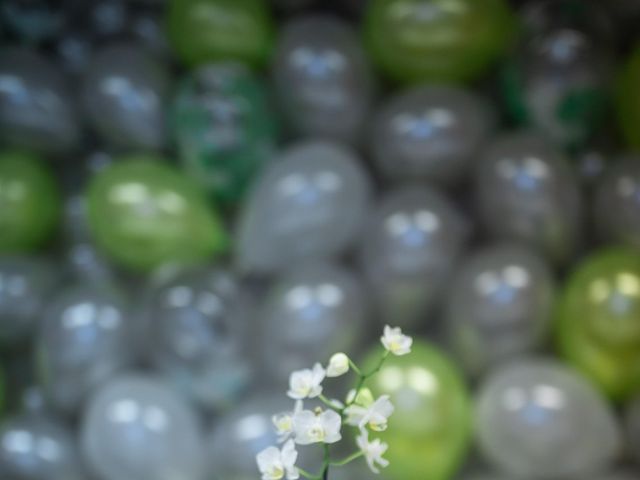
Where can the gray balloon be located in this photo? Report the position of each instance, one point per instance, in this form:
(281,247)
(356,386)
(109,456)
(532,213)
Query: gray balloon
(85,338)
(196,323)
(309,203)
(322,78)
(136,427)
(37,447)
(25,285)
(617,203)
(124,94)
(623,475)
(499,306)
(409,249)
(632,424)
(430,133)
(540,419)
(309,313)
(37,111)
(526,191)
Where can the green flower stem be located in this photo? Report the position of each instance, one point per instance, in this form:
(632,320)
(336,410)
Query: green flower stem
(363,378)
(347,460)
(355,368)
(328,402)
(308,475)
(326,463)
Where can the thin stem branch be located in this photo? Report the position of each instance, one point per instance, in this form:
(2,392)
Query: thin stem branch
(308,475)
(349,459)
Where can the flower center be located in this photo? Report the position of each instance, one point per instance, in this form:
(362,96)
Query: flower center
(277,472)
(316,433)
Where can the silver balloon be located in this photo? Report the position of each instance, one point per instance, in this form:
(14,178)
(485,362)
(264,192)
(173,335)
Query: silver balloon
(409,249)
(136,427)
(307,204)
(37,111)
(196,324)
(25,285)
(622,475)
(309,313)
(124,95)
(499,306)
(36,447)
(85,338)
(526,191)
(617,203)
(430,133)
(322,78)
(540,419)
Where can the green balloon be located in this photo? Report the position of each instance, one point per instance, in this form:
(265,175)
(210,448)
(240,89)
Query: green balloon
(204,31)
(29,202)
(437,40)
(429,431)
(598,321)
(628,100)
(144,214)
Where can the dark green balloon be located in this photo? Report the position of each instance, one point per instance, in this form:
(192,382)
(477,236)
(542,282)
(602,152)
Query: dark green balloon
(29,202)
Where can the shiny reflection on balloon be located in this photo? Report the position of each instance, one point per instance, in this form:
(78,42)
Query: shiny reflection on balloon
(430,133)
(598,320)
(409,248)
(138,427)
(86,337)
(25,286)
(617,203)
(322,78)
(499,306)
(124,95)
(309,313)
(37,111)
(540,419)
(36,447)
(527,192)
(309,203)
(196,323)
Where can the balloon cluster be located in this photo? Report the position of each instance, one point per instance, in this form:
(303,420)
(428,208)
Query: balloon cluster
(198,197)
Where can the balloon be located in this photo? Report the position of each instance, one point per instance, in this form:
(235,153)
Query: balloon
(124,95)
(632,424)
(309,203)
(224,127)
(25,284)
(204,31)
(429,431)
(310,312)
(196,323)
(430,133)
(409,248)
(499,306)
(628,100)
(437,40)
(539,418)
(29,202)
(137,427)
(322,78)
(37,111)
(598,320)
(36,447)
(86,337)
(33,21)
(617,203)
(527,192)
(144,214)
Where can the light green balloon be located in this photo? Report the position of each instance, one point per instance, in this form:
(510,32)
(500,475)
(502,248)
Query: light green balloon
(144,214)
(429,431)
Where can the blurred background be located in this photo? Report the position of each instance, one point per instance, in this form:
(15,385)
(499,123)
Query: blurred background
(199,196)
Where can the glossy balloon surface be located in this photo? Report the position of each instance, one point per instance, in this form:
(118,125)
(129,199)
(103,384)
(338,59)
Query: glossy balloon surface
(598,320)
(204,31)
(137,427)
(409,248)
(526,191)
(628,100)
(322,78)
(541,419)
(225,128)
(124,95)
(499,306)
(437,40)
(429,431)
(430,133)
(29,202)
(143,214)
(309,203)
